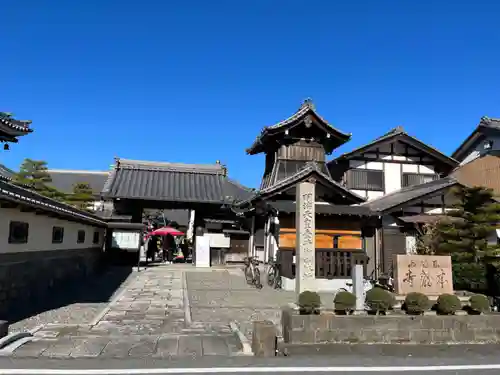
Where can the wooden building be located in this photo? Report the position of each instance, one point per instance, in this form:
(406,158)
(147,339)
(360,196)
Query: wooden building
(204,190)
(295,151)
(479,156)
(484,140)
(393,161)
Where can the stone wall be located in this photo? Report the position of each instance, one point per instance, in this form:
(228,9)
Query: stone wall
(28,278)
(392,329)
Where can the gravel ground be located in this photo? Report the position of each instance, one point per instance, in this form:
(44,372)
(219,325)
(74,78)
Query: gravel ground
(75,304)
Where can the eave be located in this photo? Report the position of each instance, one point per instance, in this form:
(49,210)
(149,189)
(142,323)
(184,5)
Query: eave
(486,125)
(307,110)
(310,171)
(408,196)
(397,134)
(14,127)
(37,203)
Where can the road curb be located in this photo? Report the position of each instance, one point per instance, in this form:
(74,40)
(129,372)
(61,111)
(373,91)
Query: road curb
(7,343)
(246,348)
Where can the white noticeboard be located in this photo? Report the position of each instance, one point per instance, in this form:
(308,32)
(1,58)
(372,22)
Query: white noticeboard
(202,256)
(126,240)
(219,240)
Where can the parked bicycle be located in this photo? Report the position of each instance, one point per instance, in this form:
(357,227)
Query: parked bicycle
(252,272)
(273,275)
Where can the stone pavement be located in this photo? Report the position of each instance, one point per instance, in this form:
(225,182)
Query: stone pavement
(149,318)
(223,296)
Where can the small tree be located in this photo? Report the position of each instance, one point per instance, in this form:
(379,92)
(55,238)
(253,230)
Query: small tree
(464,236)
(473,219)
(34,175)
(82,196)
(428,239)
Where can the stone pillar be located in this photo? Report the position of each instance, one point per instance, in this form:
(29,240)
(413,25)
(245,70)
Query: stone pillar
(251,239)
(305,269)
(358,286)
(264,339)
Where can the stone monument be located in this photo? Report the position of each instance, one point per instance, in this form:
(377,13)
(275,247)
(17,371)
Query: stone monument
(305,246)
(358,286)
(427,274)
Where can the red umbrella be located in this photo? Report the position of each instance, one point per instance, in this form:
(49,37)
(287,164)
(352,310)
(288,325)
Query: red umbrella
(164,231)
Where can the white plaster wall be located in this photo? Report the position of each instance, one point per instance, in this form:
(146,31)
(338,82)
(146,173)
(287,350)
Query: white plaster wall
(392,170)
(410,168)
(40,232)
(374,194)
(392,177)
(479,150)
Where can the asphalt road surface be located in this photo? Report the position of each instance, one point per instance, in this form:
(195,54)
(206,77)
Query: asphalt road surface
(472,364)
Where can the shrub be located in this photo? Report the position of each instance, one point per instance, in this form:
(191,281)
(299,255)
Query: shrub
(417,303)
(379,300)
(469,276)
(448,304)
(479,303)
(309,302)
(344,301)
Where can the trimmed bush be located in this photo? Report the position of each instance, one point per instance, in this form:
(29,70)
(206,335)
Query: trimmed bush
(448,304)
(417,303)
(379,300)
(479,303)
(309,302)
(344,301)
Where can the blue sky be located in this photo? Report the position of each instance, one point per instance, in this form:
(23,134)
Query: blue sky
(195,81)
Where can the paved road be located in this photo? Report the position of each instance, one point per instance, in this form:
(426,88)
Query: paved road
(477,364)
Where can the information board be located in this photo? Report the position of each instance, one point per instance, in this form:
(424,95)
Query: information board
(126,240)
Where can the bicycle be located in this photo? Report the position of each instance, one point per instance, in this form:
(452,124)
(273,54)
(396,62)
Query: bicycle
(252,272)
(273,275)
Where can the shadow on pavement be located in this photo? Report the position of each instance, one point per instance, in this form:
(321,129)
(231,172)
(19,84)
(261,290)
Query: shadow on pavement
(98,288)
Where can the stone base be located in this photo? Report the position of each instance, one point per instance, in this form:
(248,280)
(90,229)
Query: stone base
(391,329)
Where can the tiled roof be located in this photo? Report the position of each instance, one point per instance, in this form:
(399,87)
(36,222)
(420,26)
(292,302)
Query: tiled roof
(65,180)
(17,126)
(306,108)
(325,209)
(6,174)
(308,169)
(485,124)
(26,197)
(399,132)
(131,179)
(409,194)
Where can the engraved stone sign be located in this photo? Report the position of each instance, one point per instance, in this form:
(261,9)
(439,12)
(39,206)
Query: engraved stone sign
(305,269)
(428,274)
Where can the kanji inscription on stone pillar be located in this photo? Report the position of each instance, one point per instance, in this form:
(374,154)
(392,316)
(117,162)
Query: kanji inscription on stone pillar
(305,274)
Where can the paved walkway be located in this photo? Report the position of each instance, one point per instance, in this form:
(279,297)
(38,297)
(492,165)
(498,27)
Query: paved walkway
(223,296)
(149,318)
